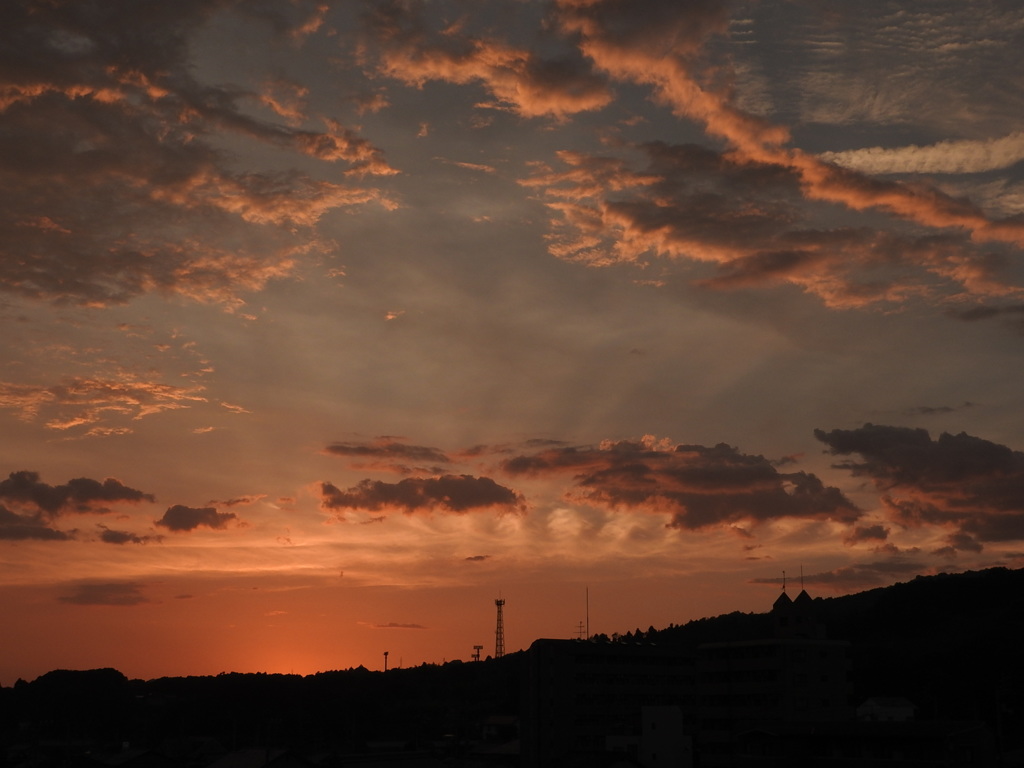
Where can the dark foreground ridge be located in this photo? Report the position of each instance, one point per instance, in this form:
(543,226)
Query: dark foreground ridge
(924,673)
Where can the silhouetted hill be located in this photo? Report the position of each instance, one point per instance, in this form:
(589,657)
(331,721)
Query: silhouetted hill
(947,604)
(948,642)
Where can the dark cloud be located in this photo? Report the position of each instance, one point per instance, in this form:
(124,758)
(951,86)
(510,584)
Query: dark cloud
(15,527)
(477,558)
(182,518)
(888,548)
(112,593)
(396,625)
(867,533)
(998,526)
(988,311)
(905,455)
(928,410)
(963,481)
(700,486)
(450,493)
(79,495)
(543,442)
(240,500)
(959,542)
(784,460)
(389,454)
(507,448)
(111,536)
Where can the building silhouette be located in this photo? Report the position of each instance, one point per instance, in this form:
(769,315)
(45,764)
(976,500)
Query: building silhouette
(796,676)
(585,700)
(784,699)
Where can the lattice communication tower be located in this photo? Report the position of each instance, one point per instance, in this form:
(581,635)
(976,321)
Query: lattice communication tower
(499,632)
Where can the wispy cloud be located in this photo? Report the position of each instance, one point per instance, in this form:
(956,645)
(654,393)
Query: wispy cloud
(136,137)
(390,454)
(81,402)
(959,156)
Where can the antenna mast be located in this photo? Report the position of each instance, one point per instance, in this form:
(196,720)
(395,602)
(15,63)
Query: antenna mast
(499,632)
(588,613)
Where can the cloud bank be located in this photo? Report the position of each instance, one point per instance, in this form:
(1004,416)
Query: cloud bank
(969,485)
(698,486)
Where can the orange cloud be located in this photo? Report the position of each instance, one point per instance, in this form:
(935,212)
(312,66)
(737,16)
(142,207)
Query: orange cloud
(747,220)
(83,401)
(313,23)
(94,213)
(663,49)
(339,143)
(518,79)
(286,99)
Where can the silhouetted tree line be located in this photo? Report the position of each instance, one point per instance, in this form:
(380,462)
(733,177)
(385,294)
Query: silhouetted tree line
(949,643)
(342,710)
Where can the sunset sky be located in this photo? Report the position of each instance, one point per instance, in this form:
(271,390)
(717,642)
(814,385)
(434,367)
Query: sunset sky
(327,322)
